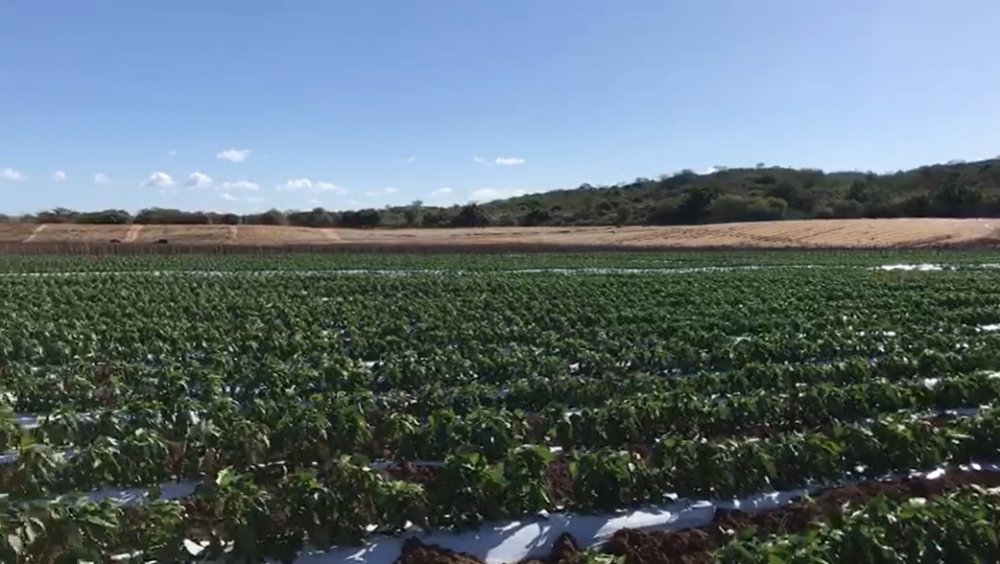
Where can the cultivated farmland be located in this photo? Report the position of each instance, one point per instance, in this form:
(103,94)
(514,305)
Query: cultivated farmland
(641,407)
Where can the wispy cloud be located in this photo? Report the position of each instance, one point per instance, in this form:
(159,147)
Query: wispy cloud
(58,176)
(296,184)
(158,180)
(172,153)
(11,174)
(198,180)
(311,185)
(101,178)
(239,185)
(490,194)
(500,161)
(241,199)
(234,155)
(387,191)
(440,193)
(411,159)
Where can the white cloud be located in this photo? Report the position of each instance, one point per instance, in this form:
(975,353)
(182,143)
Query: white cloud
(101,178)
(172,153)
(311,185)
(297,184)
(234,155)
(388,190)
(11,174)
(490,194)
(330,187)
(239,185)
(245,199)
(198,180)
(411,159)
(58,176)
(440,194)
(158,180)
(500,161)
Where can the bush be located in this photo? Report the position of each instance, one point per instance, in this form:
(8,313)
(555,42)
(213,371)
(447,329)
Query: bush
(471,216)
(848,209)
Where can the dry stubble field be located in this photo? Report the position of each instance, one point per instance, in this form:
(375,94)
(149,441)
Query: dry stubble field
(839,233)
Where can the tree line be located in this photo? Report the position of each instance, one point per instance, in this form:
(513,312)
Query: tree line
(761,193)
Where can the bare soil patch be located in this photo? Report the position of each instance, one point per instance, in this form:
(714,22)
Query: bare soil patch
(16,232)
(59,232)
(184,234)
(274,235)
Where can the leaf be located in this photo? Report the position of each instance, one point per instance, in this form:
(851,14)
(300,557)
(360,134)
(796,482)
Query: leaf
(747,533)
(16,544)
(99,521)
(226,477)
(193,548)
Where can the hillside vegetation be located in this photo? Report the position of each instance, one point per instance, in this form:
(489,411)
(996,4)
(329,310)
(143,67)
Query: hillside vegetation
(956,189)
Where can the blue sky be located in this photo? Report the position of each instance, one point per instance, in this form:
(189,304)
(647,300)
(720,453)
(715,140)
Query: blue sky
(243,106)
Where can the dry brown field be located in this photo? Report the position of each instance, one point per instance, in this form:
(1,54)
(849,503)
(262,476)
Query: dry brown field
(836,233)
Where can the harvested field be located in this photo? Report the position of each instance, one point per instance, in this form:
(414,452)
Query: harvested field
(185,234)
(271,235)
(816,234)
(860,233)
(16,232)
(68,232)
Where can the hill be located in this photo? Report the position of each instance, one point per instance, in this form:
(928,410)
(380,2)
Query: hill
(765,193)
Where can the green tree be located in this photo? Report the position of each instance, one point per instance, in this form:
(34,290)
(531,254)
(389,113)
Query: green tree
(471,215)
(411,214)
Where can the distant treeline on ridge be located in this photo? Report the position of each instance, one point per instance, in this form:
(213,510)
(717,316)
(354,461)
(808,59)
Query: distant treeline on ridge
(956,189)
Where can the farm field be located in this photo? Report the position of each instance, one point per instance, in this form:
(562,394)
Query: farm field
(803,234)
(645,407)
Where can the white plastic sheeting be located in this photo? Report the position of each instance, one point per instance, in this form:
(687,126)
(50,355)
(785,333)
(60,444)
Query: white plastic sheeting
(923,267)
(918,267)
(519,540)
(130,496)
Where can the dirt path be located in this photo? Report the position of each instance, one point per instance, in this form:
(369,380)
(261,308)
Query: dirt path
(132,234)
(36,232)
